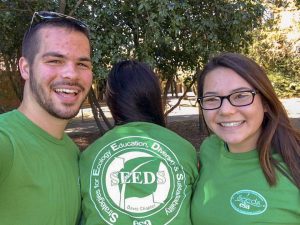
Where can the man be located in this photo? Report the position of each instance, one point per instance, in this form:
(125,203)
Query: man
(39,178)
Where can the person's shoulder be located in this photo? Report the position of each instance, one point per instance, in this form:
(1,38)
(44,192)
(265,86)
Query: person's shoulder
(100,142)
(212,142)
(170,138)
(164,134)
(8,123)
(4,139)
(211,139)
(6,117)
(144,130)
(6,154)
(117,132)
(7,132)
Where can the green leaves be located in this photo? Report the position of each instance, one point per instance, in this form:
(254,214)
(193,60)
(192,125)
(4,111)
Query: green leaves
(172,35)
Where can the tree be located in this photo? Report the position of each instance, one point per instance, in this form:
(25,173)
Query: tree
(171,36)
(276,52)
(15,17)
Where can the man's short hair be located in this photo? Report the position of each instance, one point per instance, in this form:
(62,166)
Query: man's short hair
(31,41)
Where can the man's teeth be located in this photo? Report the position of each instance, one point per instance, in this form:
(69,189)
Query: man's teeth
(231,124)
(67,91)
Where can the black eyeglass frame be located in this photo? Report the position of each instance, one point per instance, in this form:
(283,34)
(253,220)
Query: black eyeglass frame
(253,92)
(41,16)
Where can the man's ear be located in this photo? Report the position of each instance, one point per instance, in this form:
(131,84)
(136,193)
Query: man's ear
(24,68)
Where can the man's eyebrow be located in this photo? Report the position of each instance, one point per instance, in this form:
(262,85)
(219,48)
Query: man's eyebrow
(58,55)
(53,54)
(88,59)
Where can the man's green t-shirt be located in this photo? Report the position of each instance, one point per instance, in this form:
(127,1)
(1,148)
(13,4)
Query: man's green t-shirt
(232,190)
(138,174)
(39,175)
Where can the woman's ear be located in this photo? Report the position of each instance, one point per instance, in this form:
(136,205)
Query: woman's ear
(24,68)
(265,106)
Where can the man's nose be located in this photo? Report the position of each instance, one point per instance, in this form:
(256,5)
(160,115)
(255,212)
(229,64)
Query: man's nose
(69,71)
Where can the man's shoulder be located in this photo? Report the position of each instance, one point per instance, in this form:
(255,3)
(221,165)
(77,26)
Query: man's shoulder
(6,121)
(3,116)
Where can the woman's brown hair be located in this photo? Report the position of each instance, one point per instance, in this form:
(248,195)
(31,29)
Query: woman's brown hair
(133,93)
(278,134)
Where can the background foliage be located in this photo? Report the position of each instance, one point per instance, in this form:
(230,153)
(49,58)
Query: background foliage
(277,54)
(174,36)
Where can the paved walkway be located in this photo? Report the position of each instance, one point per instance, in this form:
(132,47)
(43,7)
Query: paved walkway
(85,123)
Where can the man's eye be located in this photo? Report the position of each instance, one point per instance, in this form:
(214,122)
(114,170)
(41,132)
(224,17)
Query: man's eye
(54,61)
(84,65)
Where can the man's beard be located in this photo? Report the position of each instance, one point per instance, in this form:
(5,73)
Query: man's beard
(68,112)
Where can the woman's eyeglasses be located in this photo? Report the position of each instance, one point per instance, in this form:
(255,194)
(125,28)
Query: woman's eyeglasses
(238,99)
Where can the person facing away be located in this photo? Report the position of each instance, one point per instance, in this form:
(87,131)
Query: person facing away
(250,166)
(39,174)
(139,172)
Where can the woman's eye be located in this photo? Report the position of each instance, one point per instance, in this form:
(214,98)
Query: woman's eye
(211,99)
(242,95)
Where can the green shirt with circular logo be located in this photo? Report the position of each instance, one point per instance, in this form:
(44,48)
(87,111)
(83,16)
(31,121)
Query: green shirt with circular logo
(140,174)
(232,190)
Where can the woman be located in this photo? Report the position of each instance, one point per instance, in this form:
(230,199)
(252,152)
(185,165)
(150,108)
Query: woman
(139,172)
(250,166)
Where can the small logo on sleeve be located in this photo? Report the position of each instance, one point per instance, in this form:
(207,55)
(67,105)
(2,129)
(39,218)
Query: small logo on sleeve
(248,202)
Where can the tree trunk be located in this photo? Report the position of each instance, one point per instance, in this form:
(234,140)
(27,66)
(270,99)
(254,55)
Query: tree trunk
(2,109)
(15,80)
(181,97)
(201,123)
(165,92)
(78,3)
(175,87)
(98,113)
(62,6)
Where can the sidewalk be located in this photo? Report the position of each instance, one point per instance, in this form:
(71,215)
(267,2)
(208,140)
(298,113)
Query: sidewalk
(85,123)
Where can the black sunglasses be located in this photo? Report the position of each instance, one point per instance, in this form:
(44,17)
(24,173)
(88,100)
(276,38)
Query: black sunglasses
(52,16)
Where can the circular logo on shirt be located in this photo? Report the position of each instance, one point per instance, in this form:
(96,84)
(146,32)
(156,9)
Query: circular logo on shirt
(137,177)
(248,202)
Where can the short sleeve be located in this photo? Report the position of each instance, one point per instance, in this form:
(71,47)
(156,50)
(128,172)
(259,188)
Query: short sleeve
(6,156)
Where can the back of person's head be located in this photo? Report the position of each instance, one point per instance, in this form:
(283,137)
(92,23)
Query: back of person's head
(46,19)
(133,93)
(277,132)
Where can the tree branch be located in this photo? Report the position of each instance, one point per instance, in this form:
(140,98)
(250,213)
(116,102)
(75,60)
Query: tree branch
(76,6)
(62,6)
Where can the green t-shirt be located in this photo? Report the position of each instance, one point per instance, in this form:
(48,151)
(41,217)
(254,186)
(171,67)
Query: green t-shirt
(39,175)
(138,174)
(232,190)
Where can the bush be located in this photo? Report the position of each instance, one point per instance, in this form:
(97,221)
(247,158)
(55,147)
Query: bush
(285,86)
(271,50)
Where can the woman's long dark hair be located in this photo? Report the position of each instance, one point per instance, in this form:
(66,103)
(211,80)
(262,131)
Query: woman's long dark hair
(133,93)
(277,132)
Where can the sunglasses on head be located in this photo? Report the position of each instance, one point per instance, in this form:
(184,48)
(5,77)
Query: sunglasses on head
(41,16)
